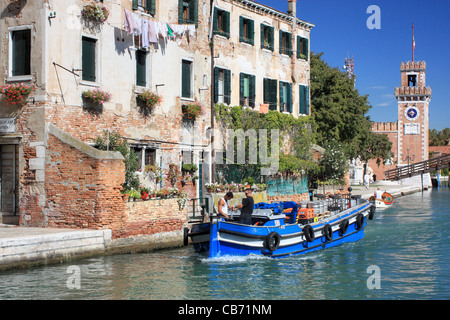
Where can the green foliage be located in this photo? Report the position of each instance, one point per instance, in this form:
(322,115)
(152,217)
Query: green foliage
(339,113)
(439,138)
(296,135)
(113,142)
(189,167)
(334,162)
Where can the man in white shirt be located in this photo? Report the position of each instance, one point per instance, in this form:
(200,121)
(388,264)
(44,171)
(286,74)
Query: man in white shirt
(378,194)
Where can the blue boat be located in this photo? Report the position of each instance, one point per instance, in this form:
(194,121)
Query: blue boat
(277,230)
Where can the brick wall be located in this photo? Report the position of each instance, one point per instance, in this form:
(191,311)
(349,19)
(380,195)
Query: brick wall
(82,191)
(151,217)
(390,129)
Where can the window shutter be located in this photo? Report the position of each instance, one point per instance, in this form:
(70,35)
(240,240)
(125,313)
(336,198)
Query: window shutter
(215,20)
(265,91)
(252,32)
(193,8)
(180,12)
(226,23)
(135,4)
(289,98)
(289,44)
(298,47)
(186,79)
(307,100)
(302,90)
(21,51)
(252,92)
(271,38)
(241,88)
(305,48)
(241,29)
(216,84)
(88,59)
(273,94)
(227,85)
(281,42)
(141,75)
(150,5)
(262,35)
(281,96)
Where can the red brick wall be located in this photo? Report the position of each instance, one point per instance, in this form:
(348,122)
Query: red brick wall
(391,130)
(81,191)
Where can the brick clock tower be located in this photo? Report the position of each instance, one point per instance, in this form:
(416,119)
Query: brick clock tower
(413,99)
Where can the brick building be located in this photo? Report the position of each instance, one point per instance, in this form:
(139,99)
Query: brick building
(50,173)
(410,135)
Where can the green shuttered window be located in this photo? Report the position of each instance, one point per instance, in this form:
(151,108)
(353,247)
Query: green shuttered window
(221,24)
(222,85)
(304,100)
(88,59)
(302,48)
(141,68)
(186,79)
(188,12)
(285,43)
(270,93)
(21,52)
(147,5)
(285,97)
(267,37)
(246,30)
(247,90)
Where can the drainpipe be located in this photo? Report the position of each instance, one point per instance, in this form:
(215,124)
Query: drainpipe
(211,43)
(292,11)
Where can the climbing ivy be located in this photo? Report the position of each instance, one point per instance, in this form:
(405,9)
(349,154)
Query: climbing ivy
(296,136)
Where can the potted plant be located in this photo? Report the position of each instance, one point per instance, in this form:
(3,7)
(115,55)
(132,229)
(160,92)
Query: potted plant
(192,111)
(183,199)
(150,99)
(97,96)
(15,93)
(173,174)
(95,12)
(134,195)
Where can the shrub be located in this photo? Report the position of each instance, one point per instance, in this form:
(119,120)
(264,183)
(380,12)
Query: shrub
(15,93)
(95,12)
(97,96)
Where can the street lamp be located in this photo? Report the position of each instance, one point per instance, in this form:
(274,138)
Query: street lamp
(408,158)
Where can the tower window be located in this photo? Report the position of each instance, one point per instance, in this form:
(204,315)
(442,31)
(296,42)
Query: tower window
(412,80)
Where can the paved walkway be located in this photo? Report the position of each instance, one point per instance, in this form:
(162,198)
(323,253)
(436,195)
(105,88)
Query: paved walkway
(395,189)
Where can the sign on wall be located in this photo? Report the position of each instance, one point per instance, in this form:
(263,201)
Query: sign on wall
(412,128)
(7,125)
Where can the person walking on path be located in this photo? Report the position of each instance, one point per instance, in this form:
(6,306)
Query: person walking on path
(366,181)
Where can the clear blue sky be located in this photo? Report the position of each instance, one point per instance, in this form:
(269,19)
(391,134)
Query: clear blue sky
(341,30)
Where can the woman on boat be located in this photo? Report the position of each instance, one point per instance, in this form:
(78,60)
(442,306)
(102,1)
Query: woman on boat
(223,205)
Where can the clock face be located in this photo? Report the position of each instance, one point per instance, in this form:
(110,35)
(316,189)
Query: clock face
(411,113)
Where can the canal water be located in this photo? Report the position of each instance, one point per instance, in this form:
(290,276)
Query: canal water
(404,255)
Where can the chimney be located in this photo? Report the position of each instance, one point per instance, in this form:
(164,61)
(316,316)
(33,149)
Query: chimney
(292,8)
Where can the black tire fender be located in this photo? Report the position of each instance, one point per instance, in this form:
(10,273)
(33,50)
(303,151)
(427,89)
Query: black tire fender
(343,226)
(359,221)
(308,231)
(372,212)
(272,241)
(328,232)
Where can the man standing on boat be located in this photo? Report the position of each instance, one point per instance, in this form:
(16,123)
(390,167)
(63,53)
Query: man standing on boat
(247,207)
(378,194)
(223,205)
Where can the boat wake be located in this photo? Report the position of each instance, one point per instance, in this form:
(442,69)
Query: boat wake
(234,259)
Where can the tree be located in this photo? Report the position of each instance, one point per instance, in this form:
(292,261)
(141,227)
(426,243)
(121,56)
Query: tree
(439,138)
(339,113)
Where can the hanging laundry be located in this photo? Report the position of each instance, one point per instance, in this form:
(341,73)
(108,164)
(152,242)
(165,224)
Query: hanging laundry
(130,23)
(153,34)
(145,33)
(138,19)
(169,30)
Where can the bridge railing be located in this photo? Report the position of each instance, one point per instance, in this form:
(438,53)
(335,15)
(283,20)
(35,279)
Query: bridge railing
(418,168)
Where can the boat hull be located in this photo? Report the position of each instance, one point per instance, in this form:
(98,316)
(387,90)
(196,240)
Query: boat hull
(234,239)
